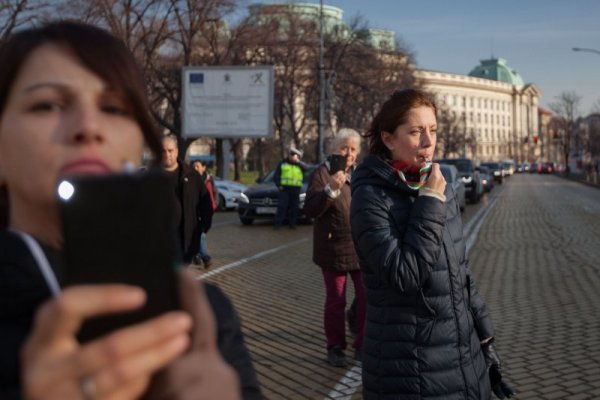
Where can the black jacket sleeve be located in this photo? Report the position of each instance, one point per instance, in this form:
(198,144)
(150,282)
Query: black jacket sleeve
(231,342)
(401,260)
(205,210)
(317,202)
(277,174)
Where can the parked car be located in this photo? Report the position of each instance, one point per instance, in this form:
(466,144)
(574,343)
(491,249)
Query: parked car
(468,174)
(496,170)
(260,201)
(533,168)
(546,168)
(508,166)
(451,176)
(487,178)
(228,193)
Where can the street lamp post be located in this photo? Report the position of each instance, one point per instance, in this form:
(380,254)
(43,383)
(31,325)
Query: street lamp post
(586,50)
(321,120)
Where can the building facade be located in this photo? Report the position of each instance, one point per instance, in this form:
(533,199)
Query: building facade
(492,107)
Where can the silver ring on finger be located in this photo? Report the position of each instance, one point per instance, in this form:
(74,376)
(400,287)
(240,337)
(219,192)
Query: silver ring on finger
(88,388)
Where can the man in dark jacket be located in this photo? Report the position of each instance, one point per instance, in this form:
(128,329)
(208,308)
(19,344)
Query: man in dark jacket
(193,208)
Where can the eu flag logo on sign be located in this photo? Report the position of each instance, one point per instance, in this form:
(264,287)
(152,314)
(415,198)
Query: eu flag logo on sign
(197,77)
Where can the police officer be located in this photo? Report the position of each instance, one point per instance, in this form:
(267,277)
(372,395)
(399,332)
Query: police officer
(289,175)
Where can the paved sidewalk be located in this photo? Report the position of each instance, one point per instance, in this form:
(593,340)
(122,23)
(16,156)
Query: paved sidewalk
(536,264)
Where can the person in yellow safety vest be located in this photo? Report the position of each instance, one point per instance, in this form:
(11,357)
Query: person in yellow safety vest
(289,175)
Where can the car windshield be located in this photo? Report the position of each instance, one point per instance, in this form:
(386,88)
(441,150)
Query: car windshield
(446,173)
(491,165)
(461,165)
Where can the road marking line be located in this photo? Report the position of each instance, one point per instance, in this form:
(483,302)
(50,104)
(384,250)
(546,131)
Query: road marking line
(352,380)
(348,384)
(247,259)
(473,234)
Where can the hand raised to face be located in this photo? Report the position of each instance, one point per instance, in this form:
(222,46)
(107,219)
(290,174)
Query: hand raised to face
(436,181)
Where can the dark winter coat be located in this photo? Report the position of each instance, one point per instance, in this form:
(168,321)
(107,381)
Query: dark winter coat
(23,290)
(332,241)
(425,319)
(196,209)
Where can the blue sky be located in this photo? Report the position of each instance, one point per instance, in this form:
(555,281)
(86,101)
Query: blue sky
(534,36)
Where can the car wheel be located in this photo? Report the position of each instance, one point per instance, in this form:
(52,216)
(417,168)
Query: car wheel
(246,221)
(221,205)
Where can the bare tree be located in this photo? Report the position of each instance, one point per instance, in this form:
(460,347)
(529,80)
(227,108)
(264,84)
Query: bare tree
(566,110)
(452,138)
(15,14)
(365,75)
(289,41)
(595,107)
(199,36)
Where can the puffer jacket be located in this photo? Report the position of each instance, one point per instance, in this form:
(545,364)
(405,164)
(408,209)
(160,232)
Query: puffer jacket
(332,242)
(425,319)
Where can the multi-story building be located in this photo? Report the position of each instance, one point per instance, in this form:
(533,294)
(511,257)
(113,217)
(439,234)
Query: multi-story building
(493,108)
(493,112)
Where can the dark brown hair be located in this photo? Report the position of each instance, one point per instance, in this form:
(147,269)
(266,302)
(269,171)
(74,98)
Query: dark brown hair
(98,51)
(392,114)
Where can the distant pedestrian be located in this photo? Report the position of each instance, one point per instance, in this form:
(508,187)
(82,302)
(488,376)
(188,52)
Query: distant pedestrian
(428,334)
(203,257)
(328,201)
(289,176)
(193,208)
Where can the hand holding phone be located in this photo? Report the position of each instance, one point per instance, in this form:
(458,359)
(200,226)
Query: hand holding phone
(337,162)
(119,229)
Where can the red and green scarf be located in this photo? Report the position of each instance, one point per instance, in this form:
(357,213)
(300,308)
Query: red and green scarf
(415,176)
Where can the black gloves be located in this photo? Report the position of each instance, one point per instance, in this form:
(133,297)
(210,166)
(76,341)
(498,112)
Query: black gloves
(501,388)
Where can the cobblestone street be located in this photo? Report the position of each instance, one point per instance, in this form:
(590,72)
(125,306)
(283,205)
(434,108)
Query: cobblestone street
(535,259)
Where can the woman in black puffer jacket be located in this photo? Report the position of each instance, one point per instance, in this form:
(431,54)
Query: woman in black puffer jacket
(428,334)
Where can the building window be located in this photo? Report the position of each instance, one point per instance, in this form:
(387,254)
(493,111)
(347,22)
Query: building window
(478,117)
(471,102)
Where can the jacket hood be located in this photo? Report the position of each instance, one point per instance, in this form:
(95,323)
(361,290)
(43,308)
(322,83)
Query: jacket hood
(374,170)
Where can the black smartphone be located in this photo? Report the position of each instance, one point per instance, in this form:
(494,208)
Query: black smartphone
(120,229)
(337,163)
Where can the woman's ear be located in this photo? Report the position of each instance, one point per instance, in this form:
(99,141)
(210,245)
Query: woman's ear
(386,138)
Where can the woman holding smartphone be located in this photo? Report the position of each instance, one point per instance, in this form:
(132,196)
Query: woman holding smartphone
(427,332)
(328,201)
(72,102)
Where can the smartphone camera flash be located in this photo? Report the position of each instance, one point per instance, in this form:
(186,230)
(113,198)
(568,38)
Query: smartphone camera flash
(66,190)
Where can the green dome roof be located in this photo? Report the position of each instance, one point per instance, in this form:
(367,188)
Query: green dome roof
(496,69)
